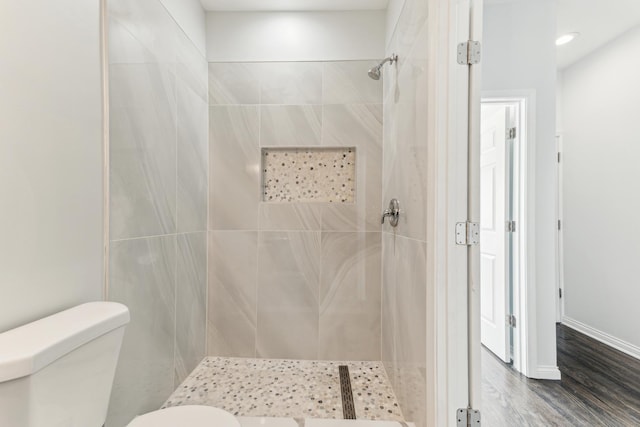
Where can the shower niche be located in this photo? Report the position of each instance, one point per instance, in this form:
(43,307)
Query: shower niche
(309,175)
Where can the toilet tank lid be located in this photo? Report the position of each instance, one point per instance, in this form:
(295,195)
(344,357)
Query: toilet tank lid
(27,349)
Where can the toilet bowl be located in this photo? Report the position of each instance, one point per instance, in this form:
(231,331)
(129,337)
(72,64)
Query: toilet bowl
(186,416)
(58,372)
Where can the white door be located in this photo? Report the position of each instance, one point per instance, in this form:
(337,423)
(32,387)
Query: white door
(493,283)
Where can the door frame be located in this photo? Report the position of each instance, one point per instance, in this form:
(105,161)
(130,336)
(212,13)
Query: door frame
(448,270)
(455,197)
(559,232)
(525,342)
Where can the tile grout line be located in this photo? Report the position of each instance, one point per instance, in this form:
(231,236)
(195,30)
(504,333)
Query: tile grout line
(258,219)
(177,84)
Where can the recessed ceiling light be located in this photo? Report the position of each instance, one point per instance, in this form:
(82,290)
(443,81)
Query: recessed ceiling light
(566,38)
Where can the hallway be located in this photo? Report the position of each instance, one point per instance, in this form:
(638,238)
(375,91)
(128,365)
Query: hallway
(600,386)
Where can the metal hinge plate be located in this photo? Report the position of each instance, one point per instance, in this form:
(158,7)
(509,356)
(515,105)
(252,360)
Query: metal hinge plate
(467,417)
(467,233)
(511,226)
(469,53)
(512,133)
(511,320)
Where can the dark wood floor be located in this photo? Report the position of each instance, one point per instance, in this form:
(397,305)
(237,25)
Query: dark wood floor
(600,386)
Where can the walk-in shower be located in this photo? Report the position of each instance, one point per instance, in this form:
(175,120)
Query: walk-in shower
(375,73)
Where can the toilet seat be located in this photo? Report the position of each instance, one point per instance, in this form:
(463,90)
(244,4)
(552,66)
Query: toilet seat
(186,416)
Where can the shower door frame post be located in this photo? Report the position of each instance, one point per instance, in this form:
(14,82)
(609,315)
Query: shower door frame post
(473,262)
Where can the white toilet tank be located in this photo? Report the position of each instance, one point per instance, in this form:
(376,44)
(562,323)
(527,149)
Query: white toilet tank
(58,371)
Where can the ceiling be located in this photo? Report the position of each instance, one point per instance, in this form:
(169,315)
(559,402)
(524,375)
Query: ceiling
(597,21)
(292,5)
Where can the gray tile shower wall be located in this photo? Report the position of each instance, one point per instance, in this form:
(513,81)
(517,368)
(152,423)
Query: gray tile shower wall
(158,203)
(407,323)
(293,280)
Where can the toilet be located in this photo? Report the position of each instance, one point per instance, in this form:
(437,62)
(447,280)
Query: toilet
(58,372)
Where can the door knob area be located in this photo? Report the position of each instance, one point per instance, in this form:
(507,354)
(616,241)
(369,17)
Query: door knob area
(393,213)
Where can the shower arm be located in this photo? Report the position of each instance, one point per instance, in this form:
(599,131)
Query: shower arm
(391,60)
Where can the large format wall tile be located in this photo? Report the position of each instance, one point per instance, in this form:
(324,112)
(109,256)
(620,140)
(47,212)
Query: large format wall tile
(350,296)
(142,276)
(193,153)
(405,176)
(295,111)
(410,173)
(288,286)
(234,83)
(351,125)
(235,168)
(158,178)
(404,321)
(357,126)
(412,18)
(149,22)
(388,306)
(142,151)
(290,216)
(124,48)
(191,302)
(411,271)
(192,138)
(411,325)
(364,215)
(390,186)
(290,125)
(192,67)
(406,172)
(232,315)
(347,82)
(291,83)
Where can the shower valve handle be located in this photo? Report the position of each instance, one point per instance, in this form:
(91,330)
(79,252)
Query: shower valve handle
(393,213)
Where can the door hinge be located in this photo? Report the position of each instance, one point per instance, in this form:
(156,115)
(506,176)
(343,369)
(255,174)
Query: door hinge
(511,226)
(560,292)
(468,417)
(559,156)
(469,53)
(511,320)
(559,225)
(512,133)
(467,233)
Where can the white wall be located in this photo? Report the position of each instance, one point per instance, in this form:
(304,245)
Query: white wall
(51,198)
(559,103)
(519,54)
(190,16)
(295,36)
(602,190)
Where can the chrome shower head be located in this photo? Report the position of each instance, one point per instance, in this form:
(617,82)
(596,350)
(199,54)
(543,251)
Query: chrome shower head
(375,73)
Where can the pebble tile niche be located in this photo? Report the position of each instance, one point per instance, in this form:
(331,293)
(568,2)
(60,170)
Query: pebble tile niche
(306,175)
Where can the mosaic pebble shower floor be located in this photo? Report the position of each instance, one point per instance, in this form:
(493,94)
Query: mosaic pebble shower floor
(298,389)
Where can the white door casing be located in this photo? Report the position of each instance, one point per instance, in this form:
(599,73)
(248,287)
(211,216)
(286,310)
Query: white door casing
(493,281)
(559,239)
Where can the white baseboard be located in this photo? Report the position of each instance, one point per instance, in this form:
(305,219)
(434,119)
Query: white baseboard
(544,372)
(611,341)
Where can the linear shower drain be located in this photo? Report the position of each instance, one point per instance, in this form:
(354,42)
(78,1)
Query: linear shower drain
(348,407)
